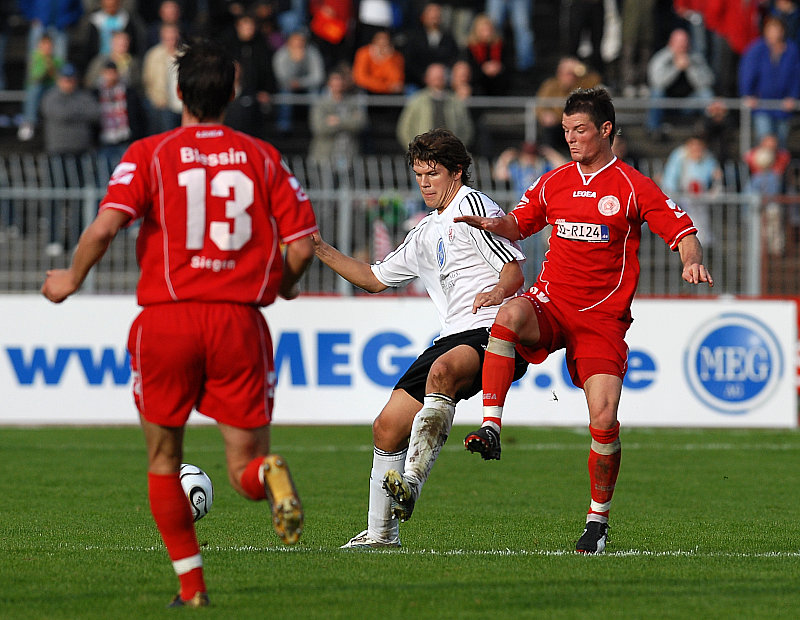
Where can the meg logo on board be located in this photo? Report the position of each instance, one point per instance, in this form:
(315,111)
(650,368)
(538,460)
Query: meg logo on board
(733,363)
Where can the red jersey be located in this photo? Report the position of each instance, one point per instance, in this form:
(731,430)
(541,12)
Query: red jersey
(597,219)
(215,206)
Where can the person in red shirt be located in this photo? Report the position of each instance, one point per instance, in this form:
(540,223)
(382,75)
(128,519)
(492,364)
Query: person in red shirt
(215,206)
(581,301)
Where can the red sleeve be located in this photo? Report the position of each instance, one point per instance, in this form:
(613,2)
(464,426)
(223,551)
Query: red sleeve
(663,216)
(530,211)
(129,186)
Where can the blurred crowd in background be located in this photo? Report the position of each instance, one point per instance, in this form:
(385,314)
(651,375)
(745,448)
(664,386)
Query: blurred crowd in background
(98,73)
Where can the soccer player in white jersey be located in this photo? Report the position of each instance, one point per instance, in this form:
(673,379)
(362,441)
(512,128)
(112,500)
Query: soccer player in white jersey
(467,273)
(581,302)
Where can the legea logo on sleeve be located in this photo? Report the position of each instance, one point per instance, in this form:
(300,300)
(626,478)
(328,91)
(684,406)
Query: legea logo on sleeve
(733,363)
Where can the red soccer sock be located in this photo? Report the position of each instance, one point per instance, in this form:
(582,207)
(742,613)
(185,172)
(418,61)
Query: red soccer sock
(251,480)
(173,517)
(604,460)
(498,373)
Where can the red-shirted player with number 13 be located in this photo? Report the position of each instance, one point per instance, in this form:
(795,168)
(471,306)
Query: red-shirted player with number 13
(215,207)
(581,301)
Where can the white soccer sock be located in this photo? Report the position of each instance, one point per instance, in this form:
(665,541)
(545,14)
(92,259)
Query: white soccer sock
(380,523)
(428,433)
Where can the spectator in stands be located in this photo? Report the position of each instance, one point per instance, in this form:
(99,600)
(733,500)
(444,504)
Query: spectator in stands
(292,16)
(70,115)
(434,107)
(265,13)
(457,16)
(518,13)
(788,11)
(461,79)
(623,151)
(129,67)
(719,129)
(520,168)
(337,120)
(331,28)
(428,43)
(638,29)
(42,74)
(374,16)
(675,71)
(110,18)
(767,163)
(160,81)
(169,12)
(770,69)
(571,73)
(256,81)
(587,16)
(122,115)
(692,172)
(299,69)
(378,68)
(53,17)
(489,57)
(70,118)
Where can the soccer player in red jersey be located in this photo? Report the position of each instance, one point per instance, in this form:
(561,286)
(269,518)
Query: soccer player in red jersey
(581,301)
(215,207)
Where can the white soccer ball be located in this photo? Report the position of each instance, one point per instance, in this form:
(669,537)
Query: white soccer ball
(198,488)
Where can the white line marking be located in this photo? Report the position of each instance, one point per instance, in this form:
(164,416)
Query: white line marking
(623,553)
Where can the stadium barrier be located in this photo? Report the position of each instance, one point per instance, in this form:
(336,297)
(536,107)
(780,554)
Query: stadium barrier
(366,206)
(692,363)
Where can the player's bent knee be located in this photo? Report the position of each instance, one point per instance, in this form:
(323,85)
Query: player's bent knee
(514,314)
(388,435)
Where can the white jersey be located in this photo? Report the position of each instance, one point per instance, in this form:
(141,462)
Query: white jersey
(454,261)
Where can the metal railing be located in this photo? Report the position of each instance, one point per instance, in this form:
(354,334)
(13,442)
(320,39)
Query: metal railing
(366,206)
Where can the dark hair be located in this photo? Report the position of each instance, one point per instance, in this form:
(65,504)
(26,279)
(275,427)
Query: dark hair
(440,146)
(596,103)
(206,75)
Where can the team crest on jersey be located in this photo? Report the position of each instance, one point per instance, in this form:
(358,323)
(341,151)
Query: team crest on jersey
(608,205)
(440,254)
(451,234)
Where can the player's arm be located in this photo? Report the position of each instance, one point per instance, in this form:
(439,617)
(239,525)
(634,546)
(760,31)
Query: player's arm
(691,253)
(298,256)
(505,226)
(61,283)
(511,279)
(354,271)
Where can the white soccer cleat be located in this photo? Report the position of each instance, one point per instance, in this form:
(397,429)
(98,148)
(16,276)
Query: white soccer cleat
(365,541)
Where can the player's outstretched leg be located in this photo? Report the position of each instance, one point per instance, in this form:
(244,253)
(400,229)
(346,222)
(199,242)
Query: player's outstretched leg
(496,376)
(402,493)
(484,441)
(429,432)
(287,511)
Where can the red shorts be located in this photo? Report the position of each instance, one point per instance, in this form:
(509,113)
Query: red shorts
(594,341)
(213,357)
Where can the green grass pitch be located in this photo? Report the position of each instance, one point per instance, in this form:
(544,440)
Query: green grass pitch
(705,524)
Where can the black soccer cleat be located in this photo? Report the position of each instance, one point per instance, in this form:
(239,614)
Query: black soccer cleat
(485,441)
(593,539)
